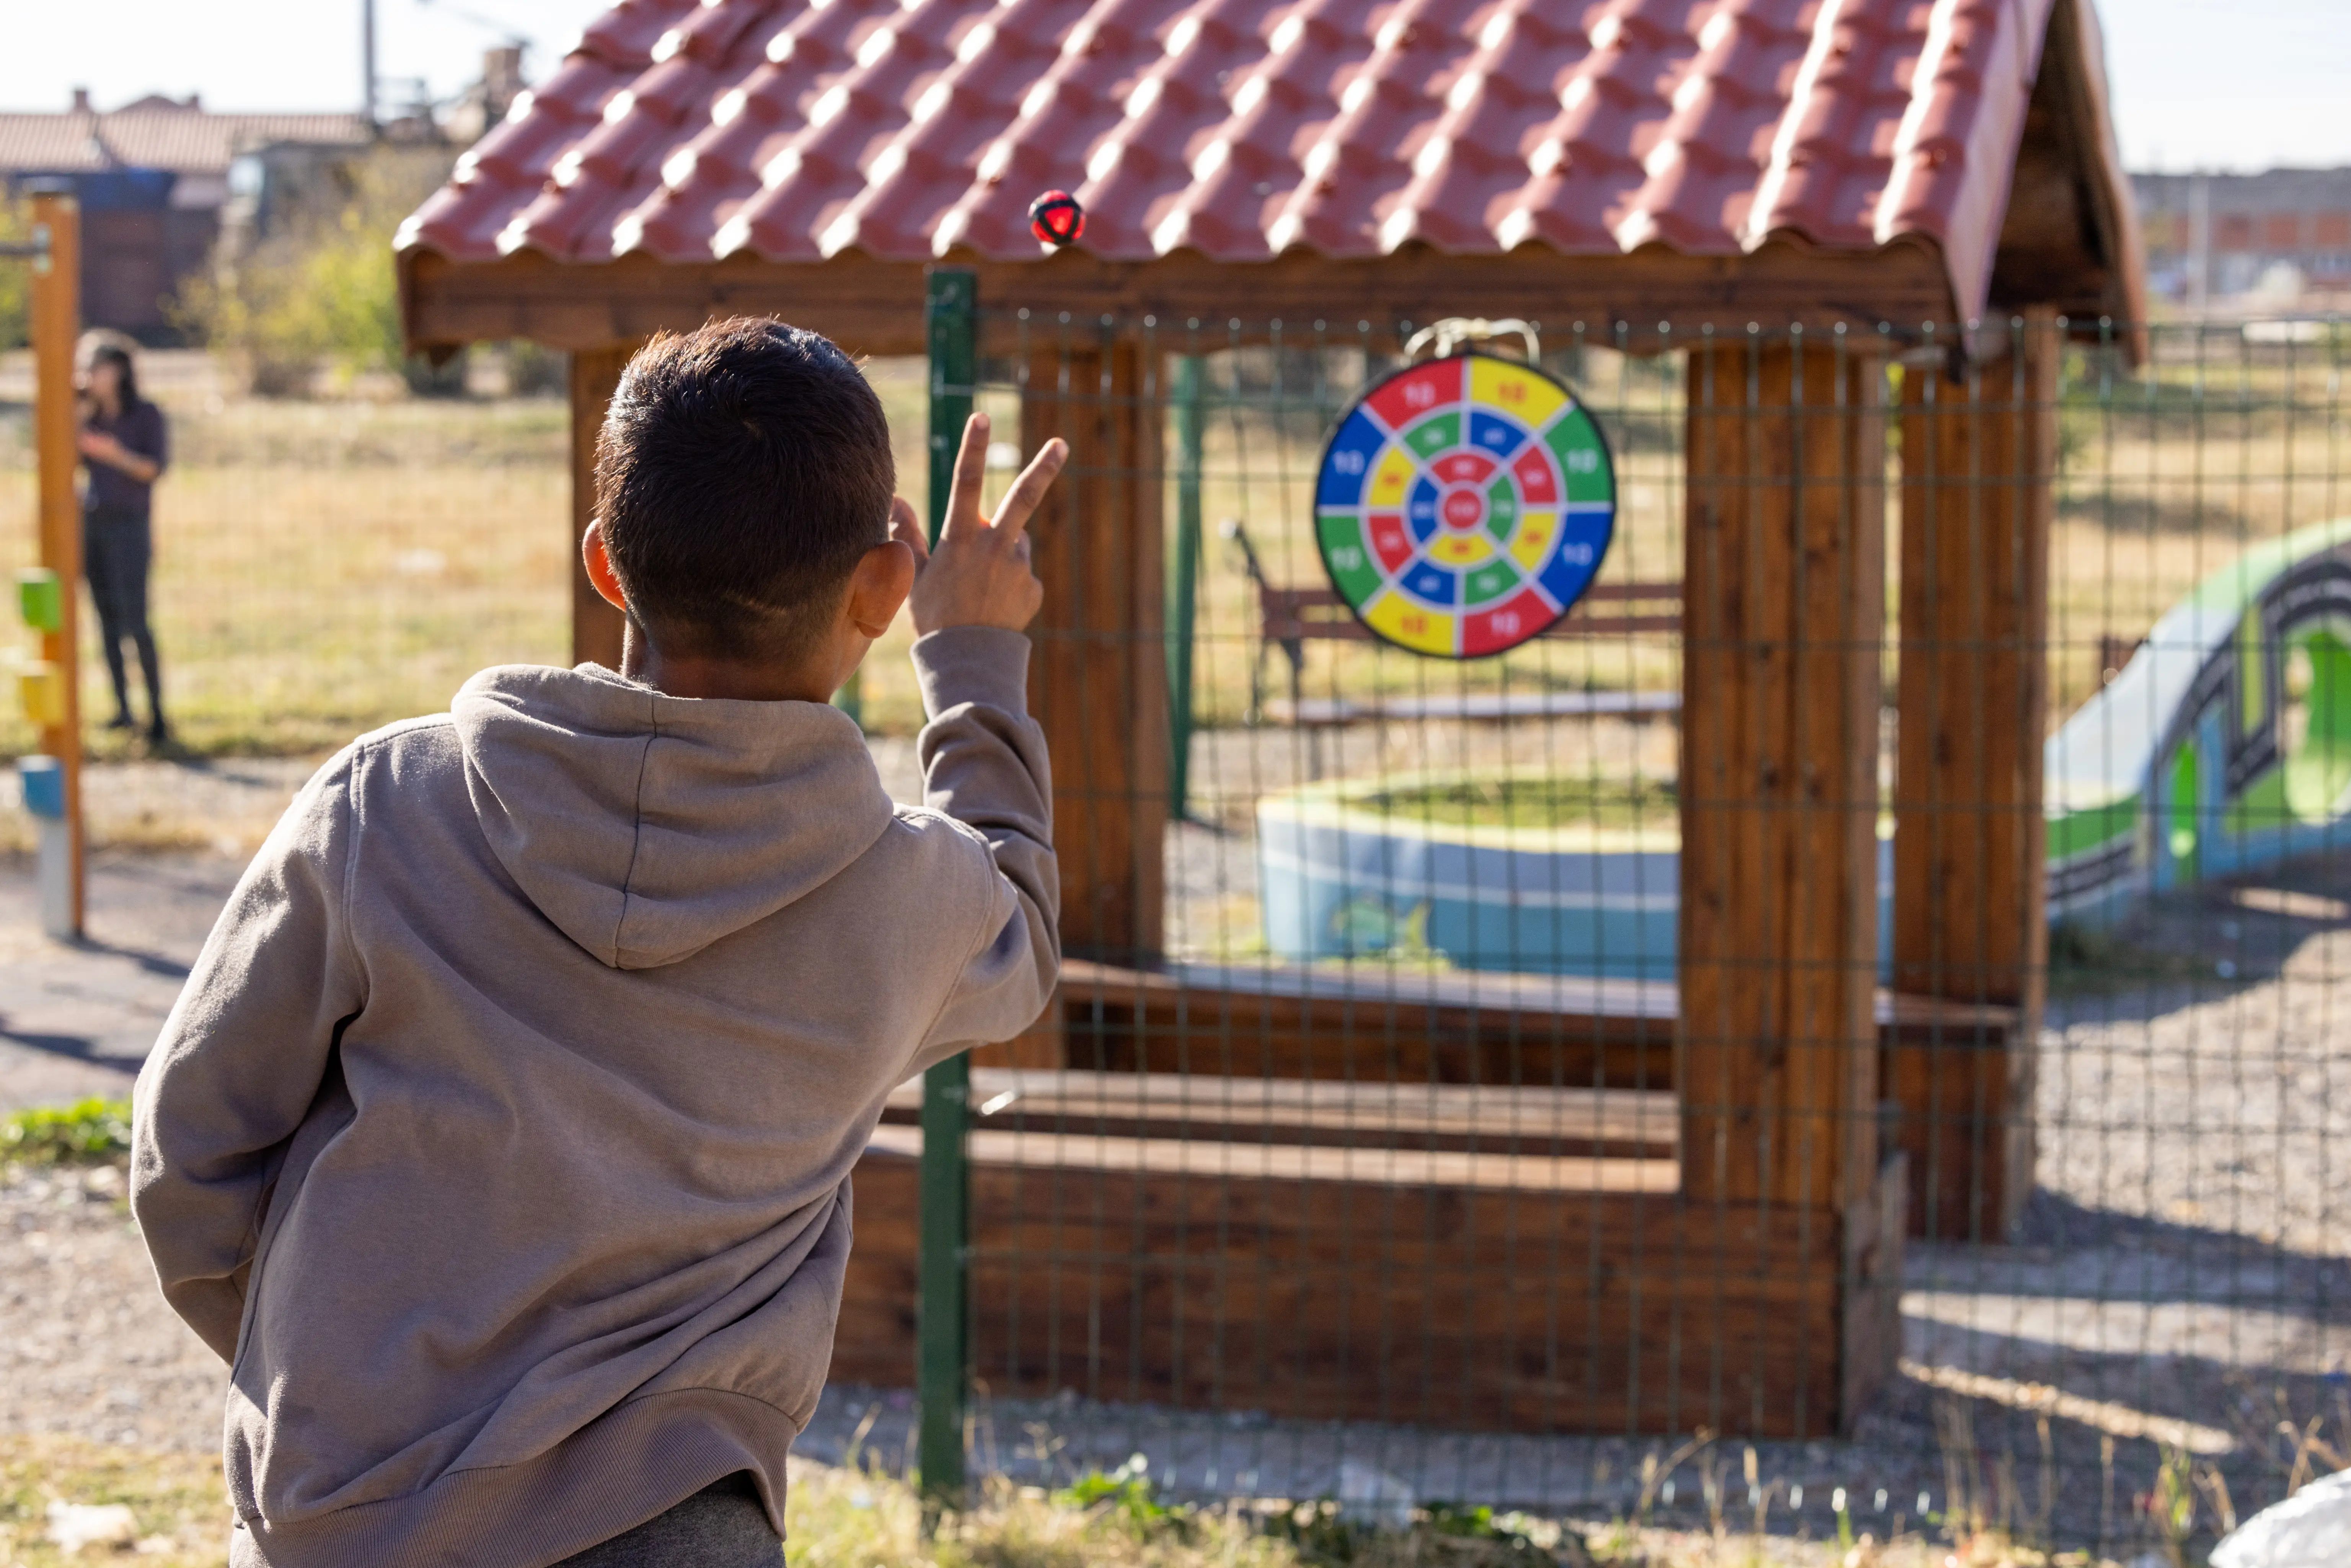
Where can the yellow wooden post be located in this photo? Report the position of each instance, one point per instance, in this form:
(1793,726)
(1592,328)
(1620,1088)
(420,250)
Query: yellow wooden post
(56,323)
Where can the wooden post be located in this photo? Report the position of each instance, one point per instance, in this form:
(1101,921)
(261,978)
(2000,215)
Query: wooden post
(1098,678)
(1784,589)
(1971,921)
(56,324)
(596,627)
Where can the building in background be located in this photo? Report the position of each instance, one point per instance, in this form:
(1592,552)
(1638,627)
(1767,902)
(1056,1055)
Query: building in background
(168,187)
(2239,243)
(153,178)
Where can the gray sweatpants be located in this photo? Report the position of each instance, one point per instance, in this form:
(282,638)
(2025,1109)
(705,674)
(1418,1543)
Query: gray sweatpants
(721,1526)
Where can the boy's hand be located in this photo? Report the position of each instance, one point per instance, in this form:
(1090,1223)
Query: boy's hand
(979,574)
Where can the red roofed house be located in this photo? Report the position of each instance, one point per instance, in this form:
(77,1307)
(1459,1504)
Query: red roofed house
(1658,168)
(153,178)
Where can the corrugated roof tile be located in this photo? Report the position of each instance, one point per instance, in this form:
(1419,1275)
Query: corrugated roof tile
(912,128)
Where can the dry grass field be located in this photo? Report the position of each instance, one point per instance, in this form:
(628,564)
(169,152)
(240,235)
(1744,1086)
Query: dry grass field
(324,567)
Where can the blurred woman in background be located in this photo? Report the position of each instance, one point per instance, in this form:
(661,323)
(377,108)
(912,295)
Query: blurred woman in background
(124,446)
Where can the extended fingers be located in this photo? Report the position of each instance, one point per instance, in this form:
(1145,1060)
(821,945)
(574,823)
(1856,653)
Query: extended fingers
(1013,512)
(970,475)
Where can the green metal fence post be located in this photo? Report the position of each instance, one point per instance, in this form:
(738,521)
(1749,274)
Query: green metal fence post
(1184,583)
(952,318)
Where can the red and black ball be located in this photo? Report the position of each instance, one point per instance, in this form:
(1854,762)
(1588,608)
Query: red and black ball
(1055,219)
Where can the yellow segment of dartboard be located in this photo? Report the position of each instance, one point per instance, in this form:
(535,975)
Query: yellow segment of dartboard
(1461,550)
(1534,543)
(1388,483)
(1505,388)
(1399,620)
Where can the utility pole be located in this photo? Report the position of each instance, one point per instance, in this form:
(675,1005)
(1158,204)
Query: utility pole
(2200,242)
(367,62)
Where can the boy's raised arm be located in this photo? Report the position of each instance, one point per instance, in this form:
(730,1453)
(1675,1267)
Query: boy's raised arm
(242,1058)
(984,764)
(983,757)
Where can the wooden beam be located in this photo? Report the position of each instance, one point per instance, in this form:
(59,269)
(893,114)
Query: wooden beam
(876,307)
(1784,609)
(596,627)
(1098,677)
(1970,924)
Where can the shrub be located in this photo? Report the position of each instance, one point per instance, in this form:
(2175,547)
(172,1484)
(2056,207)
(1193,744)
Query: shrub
(15,277)
(322,289)
(92,1132)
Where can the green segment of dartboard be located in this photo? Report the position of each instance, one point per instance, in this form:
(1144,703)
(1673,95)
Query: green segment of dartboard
(1490,581)
(1439,433)
(1502,506)
(1576,444)
(1353,571)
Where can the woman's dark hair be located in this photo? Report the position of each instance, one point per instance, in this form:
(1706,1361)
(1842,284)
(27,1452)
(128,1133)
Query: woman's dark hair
(742,471)
(119,357)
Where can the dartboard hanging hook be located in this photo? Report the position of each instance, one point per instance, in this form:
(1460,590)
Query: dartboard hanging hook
(1455,332)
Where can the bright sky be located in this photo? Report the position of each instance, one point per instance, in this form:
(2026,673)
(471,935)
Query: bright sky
(2239,84)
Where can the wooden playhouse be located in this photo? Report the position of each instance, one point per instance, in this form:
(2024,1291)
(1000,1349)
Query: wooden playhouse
(1512,1205)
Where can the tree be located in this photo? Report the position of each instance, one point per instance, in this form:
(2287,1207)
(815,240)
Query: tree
(321,289)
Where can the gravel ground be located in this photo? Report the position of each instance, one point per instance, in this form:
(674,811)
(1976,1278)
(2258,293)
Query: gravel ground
(87,1345)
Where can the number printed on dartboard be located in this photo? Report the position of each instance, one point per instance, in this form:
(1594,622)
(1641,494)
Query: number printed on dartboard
(1463,505)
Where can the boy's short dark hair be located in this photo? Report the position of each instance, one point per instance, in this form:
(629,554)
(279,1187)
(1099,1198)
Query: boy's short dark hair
(743,470)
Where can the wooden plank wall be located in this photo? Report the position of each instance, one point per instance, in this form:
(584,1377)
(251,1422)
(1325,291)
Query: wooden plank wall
(596,627)
(1467,1311)
(1783,613)
(1097,676)
(1978,471)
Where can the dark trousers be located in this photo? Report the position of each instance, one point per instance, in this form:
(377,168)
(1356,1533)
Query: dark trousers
(721,1526)
(116,548)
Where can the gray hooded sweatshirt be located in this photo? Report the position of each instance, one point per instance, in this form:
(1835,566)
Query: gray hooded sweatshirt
(501,1139)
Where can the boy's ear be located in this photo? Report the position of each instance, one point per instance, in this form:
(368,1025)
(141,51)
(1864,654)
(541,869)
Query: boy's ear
(879,586)
(599,563)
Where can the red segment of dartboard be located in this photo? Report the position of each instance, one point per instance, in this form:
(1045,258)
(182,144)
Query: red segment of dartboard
(1390,542)
(1538,479)
(1461,510)
(1505,625)
(1406,397)
(1464,469)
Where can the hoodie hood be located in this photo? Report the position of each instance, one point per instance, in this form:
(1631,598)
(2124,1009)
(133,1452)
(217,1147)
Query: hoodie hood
(646,827)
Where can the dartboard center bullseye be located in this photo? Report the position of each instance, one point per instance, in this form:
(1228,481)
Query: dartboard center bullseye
(1462,509)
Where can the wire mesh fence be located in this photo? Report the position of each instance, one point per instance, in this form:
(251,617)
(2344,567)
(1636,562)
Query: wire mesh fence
(1860,989)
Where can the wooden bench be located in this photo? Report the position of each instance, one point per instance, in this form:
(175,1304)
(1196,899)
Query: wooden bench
(1956,1081)
(1289,618)
(1478,1126)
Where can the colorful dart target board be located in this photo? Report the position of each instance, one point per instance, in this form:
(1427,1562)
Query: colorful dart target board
(1463,505)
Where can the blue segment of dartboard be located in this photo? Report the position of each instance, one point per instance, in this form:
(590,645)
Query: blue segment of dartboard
(1433,583)
(1492,434)
(1570,569)
(1348,462)
(1420,508)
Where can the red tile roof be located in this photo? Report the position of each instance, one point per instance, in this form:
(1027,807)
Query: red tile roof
(155,134)
(794,129)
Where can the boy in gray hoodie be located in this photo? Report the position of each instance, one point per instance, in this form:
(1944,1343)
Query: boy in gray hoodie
(501,1139)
